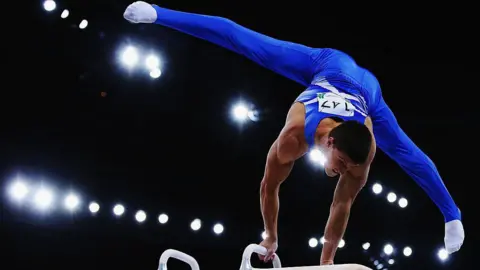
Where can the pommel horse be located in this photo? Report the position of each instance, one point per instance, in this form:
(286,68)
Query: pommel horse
(246,265)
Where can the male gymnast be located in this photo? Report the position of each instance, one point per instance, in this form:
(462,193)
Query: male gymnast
(342,113)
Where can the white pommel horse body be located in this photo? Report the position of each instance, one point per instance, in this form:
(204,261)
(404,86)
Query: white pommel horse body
(246,265)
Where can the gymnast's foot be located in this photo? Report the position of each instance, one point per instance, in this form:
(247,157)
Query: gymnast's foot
(140,12)
(454,236)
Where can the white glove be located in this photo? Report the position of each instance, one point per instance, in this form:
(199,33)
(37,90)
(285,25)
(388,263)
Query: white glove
(140,12)
(454,236)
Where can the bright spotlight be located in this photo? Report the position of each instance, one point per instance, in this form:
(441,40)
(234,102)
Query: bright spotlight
(407,251)
(162,218)
(49,5)
(18,191)
(317,157)
(240,112)
(83,24)
(391,197)
(218,228)
(388,249)
(65,14)
(366,246)
(130,56)
(196,224)
(155,73)
(341,244)
(253,115)
(377,188)
(391,261)
(322,240)
(43,198)
(442,254)
(94,207)
(313,242)
(152,62)
(140,216)
(72,201)
(118,210)
(402,202)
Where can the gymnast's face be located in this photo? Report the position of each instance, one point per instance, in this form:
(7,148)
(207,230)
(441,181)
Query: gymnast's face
(337,162)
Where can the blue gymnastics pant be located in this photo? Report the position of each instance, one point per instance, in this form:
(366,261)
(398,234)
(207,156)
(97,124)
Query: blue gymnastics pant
(307,65)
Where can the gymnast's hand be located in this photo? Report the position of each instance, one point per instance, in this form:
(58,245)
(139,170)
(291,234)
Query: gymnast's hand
(271,245)
(326,262)
(140,12)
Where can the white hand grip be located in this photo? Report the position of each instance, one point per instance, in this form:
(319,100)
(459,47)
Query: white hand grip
(172,253)
(253,248)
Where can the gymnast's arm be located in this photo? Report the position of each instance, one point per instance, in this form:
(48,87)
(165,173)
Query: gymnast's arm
(294,61)
(269,204)
(347,189)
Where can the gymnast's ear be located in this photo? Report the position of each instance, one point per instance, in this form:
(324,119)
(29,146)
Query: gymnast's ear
(330,142)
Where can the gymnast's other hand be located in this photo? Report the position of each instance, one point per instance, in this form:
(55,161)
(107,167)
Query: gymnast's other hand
(330,262)
(271,245)
(140,12)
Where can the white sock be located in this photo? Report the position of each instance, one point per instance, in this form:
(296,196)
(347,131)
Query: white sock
(140,12)
(454,236)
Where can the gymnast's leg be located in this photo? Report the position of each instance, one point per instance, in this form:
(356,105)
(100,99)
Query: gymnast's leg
(396,144)
(294,61)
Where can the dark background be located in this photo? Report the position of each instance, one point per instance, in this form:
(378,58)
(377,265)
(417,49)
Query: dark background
(170,144)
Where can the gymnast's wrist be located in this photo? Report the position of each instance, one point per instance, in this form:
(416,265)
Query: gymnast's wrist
(328,252)
(272,236)
(326,262)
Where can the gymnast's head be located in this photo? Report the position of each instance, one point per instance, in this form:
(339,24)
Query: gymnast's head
(348,145)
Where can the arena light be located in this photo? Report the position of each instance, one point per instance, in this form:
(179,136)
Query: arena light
(316,156)
(152,62)
(155,73)
(253,115)
(130,56)
(94,207)
(240,112)
(49,5)
(65,14)
(313,242)
(402,202)
(18,190)
(83,24)
(322,240)
(140,216)
(118,210)
(388,249)
(163,218)
(218,228)
(391,197)
(391,261)
(72,201)
(43,198)
(377,188)
(366,246)
(407,251)
(196,224)
(442,254)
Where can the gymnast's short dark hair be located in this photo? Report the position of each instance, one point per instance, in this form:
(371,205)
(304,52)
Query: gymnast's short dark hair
(354,139)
